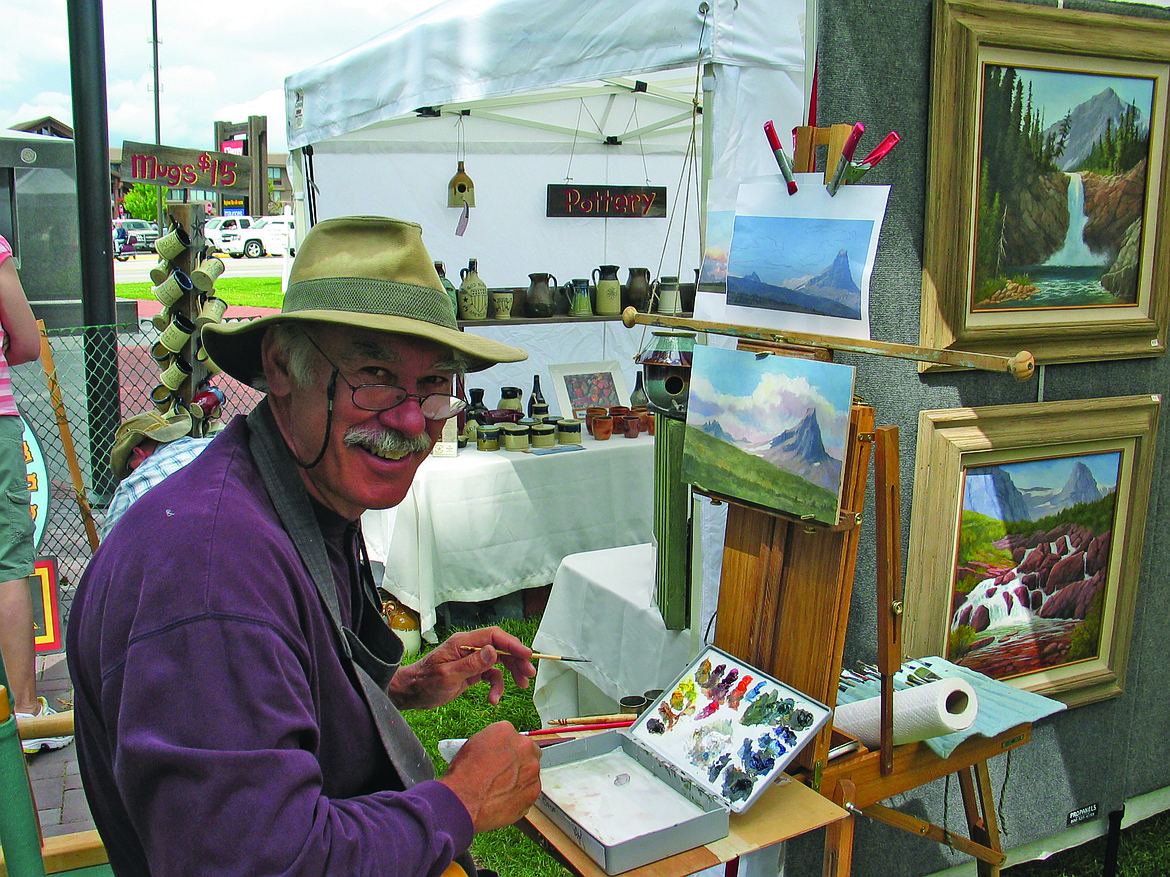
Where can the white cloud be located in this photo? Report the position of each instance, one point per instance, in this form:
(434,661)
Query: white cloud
(215,63)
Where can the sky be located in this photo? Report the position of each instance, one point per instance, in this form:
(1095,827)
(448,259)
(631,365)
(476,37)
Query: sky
(217,62)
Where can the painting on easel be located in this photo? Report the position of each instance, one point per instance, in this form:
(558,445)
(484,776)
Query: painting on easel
(768,430)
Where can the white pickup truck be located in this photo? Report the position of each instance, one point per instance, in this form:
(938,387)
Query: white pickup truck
(270,235)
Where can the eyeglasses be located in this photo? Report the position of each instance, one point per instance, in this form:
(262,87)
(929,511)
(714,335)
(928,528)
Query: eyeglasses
(383,397)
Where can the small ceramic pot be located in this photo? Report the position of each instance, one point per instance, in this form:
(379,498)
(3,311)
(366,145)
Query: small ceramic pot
(569,432)
(487,437)
(544,435)
(515,437)
(602,428)
(632,425)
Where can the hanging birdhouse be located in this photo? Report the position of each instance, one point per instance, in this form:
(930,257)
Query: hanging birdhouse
(461,189)
(666,368)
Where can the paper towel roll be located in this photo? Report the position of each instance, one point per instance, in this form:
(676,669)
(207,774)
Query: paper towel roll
(924,711)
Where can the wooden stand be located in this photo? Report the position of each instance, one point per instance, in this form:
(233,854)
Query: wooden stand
(784,607)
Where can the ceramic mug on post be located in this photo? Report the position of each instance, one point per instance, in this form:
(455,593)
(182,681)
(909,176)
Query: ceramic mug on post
(205,275)
(212,311)
(171,290)
(178,333)
(172,244)
(175,373)
(160,272)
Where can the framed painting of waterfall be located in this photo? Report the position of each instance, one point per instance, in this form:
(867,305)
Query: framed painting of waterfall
(1026,537)
(1048,183)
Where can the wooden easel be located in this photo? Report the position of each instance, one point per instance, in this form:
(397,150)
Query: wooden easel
(808,138)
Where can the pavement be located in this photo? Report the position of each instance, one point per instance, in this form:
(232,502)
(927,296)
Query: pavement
(56,781)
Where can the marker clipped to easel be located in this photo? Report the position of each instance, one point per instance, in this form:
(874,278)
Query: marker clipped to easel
(781,158)
(857,170)
(846,158)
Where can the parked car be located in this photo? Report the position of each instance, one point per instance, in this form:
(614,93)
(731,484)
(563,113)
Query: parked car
(214,228)
(145,233)
(272,234)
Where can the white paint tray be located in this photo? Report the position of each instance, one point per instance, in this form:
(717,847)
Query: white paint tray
(709,745)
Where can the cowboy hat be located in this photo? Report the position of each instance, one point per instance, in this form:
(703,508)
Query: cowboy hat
(364,271)
(148,425)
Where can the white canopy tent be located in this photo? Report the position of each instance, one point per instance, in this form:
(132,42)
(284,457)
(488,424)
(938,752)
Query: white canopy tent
(533,92)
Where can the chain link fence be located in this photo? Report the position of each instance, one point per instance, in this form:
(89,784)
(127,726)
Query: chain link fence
(103,374)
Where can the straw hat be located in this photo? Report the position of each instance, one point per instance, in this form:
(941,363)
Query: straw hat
(364,271)
(148,425)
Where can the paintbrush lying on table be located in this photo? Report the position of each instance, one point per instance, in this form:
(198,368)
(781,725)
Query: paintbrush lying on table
(534,655)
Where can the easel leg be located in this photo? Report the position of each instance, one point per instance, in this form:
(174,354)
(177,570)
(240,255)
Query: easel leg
(979,805)
(838,861)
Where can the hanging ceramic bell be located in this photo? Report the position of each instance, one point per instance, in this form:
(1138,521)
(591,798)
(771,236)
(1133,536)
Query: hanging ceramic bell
(460,189)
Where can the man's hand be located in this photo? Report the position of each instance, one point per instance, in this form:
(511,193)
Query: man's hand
(449,670)
(496,775)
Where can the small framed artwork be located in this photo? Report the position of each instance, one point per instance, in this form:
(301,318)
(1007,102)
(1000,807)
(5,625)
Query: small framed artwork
(1026,540)
(46,612)
(580,385)
(1048,183)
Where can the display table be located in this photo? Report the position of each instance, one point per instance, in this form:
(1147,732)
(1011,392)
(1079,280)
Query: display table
(484,524)
(602,608)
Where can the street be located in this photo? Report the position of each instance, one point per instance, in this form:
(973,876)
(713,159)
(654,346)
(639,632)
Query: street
(137,268)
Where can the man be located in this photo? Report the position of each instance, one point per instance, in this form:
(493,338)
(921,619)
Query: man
(147,448)
(230,668)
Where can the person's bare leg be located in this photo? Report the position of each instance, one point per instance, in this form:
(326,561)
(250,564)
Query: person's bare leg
(16,644)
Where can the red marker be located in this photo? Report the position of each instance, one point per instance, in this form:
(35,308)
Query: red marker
(846,157)
(781,158)
(881,151)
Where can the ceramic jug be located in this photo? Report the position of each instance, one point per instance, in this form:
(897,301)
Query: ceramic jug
(666,293)
(473,294)
(609,290)
(577,292)
(539,300)
(638,289)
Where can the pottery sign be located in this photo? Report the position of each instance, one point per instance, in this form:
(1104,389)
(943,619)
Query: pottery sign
(593,201)
(194,168)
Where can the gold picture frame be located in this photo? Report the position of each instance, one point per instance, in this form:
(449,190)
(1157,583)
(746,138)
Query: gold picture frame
(975,245)
(1009,574)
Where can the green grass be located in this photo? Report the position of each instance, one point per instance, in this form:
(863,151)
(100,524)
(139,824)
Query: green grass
(261,292)
(506,850)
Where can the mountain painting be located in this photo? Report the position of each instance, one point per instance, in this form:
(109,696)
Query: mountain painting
(798,264)
(1033,563)
(1063,160)
(768,430)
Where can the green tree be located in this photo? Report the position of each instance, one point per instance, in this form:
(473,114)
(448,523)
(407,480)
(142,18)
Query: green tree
(141,202)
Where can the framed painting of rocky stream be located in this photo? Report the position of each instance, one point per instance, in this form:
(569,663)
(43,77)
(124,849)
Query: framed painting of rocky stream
(1026,535)
(1047,183)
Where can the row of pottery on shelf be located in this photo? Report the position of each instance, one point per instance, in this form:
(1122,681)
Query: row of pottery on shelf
(472,297)
(524,435)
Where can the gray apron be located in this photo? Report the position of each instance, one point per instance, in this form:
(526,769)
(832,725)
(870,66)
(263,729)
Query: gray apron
(374,652)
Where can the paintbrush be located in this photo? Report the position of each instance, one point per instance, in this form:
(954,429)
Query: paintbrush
(533,655)
(590,720)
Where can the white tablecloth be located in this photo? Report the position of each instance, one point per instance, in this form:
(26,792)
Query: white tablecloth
(602,608)
(482,525)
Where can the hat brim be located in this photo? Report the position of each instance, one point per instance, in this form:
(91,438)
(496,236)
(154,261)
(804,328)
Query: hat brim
(235,346)
(159,429)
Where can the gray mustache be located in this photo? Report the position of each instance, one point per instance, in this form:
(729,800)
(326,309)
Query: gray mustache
(388,441)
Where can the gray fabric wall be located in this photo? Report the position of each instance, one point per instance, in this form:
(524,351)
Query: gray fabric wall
(874,60)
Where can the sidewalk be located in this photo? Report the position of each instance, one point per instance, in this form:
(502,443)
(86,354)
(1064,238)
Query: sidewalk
(56,783)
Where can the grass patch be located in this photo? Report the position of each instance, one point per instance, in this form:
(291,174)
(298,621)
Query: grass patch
(252,292)
(506,850)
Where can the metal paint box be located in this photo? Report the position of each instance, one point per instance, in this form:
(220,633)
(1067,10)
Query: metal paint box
(709,745)
(660,790)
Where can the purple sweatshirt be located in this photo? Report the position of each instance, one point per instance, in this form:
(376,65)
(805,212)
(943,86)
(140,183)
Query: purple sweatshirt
(218,729)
